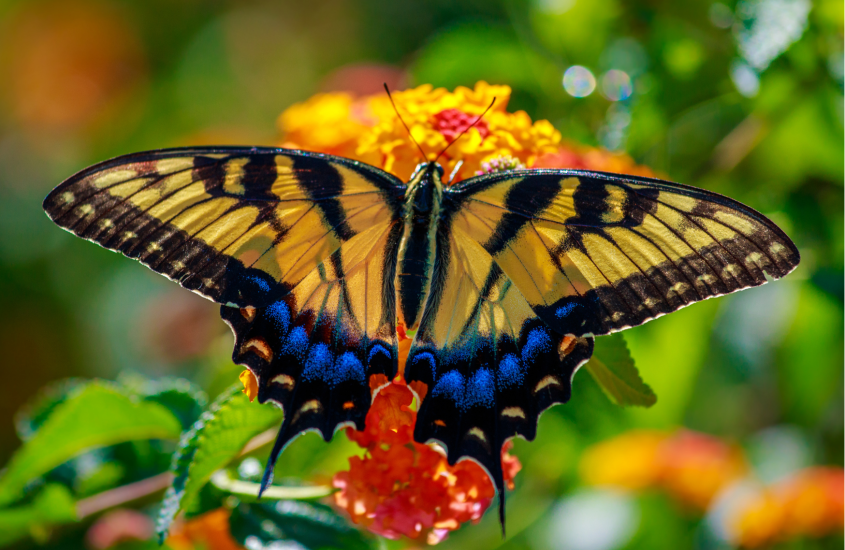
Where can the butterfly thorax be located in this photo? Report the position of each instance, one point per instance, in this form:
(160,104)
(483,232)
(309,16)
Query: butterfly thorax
(415,263)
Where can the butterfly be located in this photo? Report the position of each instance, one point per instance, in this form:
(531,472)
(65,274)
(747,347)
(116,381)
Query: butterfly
(502,280)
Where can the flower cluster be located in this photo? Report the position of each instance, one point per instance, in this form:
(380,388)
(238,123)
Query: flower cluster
(707,474)
(210,531)
(368,129)
(808,503)
(401,487)
(692,467)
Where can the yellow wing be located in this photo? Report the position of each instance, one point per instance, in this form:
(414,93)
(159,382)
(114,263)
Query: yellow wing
(594,253)
(237,225)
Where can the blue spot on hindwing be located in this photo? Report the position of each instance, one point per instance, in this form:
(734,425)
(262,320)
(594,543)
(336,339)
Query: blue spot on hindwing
(279,314)
(565,310)
(347,367)
(451,387)
(538,342)
(318,366)
(428,358)
(259,282)
(510,372)
(296,343)
(481,390)
(375,350)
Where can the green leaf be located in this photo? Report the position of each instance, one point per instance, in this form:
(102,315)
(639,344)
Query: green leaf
(180,396)
(95,415)
(32,415)
(613,368)
(213,441)
(310,524)
(54,505)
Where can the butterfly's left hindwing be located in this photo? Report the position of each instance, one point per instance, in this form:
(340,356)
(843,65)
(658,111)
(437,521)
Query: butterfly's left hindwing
(321,351)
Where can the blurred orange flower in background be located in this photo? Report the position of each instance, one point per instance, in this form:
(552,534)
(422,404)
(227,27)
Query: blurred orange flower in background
(690,466)
(68,64)
(809,503)
(701,471)
(367,129)
(210,531)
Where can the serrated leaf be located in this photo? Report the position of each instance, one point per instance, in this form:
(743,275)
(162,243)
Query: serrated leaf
(94,415)
(613,369)
(310,524)
(53,506)
(213,441)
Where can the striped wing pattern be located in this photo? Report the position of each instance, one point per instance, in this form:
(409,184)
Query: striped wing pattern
(299,248)
(236,225)
(322,350)
(596,253)
(485,363)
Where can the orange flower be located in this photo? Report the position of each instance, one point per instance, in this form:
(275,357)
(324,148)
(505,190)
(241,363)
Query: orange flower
(692,467)
(696,467)
(368,129)
(70,64)
(401,487)
(809,503)
(579,157)
(209,531)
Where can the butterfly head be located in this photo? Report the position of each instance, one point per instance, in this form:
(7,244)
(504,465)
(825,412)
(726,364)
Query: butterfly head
(425,188)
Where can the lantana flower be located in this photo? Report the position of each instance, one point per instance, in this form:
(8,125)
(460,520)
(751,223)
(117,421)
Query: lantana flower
(705,473)
(367,129)
(690,466)
(209,531)
(808,503)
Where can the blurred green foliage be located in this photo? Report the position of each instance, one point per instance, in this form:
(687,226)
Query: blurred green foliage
(718,99)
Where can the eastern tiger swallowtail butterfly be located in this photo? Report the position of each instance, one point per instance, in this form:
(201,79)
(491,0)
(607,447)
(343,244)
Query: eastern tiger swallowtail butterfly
(502,279)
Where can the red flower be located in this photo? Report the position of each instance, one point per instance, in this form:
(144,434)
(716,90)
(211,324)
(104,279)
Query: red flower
(401,487)
(451,122)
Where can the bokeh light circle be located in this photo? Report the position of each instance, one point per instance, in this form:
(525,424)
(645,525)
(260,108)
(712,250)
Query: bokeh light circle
(578,81)
(616,85)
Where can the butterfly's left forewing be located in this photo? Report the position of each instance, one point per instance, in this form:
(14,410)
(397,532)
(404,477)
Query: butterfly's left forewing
(237,225)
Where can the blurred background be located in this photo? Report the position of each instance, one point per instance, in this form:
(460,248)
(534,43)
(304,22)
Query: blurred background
(742,98)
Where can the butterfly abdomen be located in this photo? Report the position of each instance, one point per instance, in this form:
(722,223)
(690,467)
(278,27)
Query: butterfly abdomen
(415,265)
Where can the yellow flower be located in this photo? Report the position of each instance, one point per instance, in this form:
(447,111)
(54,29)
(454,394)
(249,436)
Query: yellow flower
(629,461)
(328,123)
(368,129)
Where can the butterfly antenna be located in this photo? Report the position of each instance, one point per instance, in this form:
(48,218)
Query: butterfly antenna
(386,89)
(468,128)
